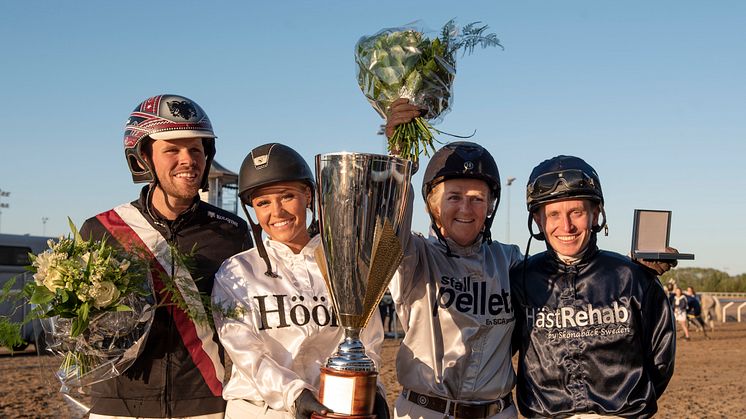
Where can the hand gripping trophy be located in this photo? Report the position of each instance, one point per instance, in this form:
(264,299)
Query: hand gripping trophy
(362,206)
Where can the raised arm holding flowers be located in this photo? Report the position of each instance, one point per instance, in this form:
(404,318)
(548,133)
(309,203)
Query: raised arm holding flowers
(404,63)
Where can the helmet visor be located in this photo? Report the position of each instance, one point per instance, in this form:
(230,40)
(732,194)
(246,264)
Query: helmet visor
(181,133)
(550,184)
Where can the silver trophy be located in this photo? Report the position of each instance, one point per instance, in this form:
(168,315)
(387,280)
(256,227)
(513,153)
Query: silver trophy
(362,206)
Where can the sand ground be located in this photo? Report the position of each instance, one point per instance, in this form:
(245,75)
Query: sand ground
(709,382)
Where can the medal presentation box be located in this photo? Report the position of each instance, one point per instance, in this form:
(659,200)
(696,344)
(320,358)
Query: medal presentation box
(651,231)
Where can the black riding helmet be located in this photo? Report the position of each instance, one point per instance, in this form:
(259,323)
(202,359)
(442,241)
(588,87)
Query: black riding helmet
(271,163)
(458,160)
(263,166)
(559,178)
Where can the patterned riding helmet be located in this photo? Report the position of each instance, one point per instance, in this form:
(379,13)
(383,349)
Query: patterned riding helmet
(165,117)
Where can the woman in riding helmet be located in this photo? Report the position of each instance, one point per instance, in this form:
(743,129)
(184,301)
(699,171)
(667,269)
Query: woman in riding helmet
(276,319)
(452,292)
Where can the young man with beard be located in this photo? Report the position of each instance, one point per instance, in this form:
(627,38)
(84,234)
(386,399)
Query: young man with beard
(169,144)
(594,330)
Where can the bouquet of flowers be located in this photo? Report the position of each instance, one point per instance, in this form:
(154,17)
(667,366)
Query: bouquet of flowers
(404,63)
(95,303)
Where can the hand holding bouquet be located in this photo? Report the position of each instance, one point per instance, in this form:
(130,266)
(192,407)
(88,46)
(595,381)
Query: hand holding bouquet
(95,304)
(404,63)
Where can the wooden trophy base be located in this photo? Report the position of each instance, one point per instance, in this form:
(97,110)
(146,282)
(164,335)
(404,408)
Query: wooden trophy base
(315,415)
(349,394)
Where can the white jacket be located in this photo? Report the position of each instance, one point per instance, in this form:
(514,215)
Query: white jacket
(458,319)
(287,328)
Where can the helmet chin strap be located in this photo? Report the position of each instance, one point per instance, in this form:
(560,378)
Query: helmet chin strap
(487,227)
(153,185)
(313,228)
(149,203)
(537,236)
(256,231)
(602,226)
(436,229)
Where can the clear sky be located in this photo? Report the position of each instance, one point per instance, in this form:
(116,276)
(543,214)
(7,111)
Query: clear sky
(652,94)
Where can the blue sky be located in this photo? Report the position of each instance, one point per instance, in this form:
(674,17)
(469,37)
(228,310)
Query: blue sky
(652,94)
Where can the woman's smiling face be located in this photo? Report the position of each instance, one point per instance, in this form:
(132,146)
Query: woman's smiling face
(281,212)
(461,209)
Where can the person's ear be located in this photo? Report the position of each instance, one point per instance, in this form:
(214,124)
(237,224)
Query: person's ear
(309,197)
(537,219)
(596,214)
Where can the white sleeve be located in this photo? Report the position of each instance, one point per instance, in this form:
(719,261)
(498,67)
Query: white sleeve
(407,276)
(403,279)
(372,338)
(278,386)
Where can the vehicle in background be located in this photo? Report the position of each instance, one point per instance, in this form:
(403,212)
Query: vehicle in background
(14,257)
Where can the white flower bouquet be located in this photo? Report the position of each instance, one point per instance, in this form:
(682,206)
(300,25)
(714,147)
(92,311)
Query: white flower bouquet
(404,63)
(95,302)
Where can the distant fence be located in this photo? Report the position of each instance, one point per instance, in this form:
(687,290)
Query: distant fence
(728,305)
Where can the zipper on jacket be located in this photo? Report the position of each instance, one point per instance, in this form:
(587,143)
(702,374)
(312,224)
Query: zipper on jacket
(568,294)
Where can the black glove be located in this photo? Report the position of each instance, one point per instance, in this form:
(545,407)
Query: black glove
(306,404)
(380,406)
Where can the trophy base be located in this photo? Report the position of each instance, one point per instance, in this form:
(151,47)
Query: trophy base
(315,415)
(350,394)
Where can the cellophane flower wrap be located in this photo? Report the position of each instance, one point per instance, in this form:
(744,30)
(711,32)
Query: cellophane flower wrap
(405,63)
(96,304)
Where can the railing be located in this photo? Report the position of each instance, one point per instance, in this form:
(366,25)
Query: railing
(738,310)
(726,300)
(736,295)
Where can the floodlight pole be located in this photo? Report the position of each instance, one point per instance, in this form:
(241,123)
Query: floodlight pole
(508,182)
(3,205)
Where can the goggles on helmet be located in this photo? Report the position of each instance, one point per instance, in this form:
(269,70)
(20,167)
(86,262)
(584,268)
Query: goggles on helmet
(554,183)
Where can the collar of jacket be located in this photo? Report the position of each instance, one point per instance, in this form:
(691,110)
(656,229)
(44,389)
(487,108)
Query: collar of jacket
(589,254)
(285,252)
(456,248)
(153,216)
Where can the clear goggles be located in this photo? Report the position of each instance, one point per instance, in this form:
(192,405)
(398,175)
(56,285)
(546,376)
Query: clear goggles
(556,182)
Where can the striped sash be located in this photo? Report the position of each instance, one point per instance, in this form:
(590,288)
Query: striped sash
(128,226)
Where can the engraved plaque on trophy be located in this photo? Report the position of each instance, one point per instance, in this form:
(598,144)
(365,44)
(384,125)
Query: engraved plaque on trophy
(362,202)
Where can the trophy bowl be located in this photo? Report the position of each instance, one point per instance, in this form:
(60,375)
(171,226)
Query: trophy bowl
(362,201)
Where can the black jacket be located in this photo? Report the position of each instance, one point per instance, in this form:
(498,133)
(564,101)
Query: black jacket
(165,381)
(597,336)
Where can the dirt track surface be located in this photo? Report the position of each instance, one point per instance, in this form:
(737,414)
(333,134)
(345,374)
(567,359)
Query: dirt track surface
(710,380)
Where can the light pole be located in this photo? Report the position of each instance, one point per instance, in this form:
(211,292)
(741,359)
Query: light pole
(508,182)
(44,225)
(3,205)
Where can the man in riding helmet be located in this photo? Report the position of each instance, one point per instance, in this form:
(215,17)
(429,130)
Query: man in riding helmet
(169,144)
(276,351)
(594,330)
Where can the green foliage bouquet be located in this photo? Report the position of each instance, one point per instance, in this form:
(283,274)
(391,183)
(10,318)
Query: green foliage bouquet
(404,63)
(95,303)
